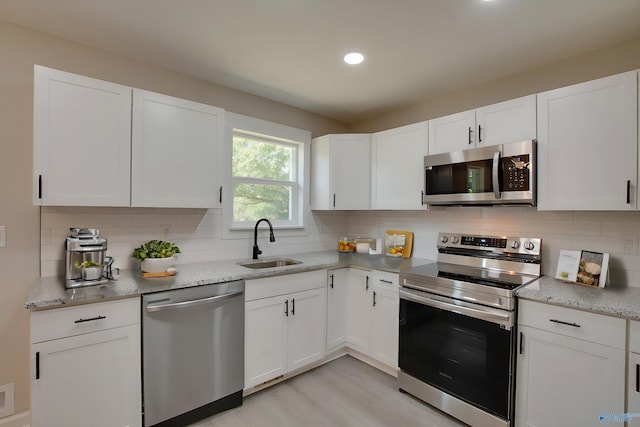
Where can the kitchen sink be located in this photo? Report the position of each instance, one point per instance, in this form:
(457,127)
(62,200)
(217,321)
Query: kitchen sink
(281,262)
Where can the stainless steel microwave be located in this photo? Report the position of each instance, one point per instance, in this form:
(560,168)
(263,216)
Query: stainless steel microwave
(495,175)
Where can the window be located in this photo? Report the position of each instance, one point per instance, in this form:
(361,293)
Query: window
(264,172)
(267,176)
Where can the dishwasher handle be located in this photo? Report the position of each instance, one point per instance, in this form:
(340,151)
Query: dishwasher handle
(191,303)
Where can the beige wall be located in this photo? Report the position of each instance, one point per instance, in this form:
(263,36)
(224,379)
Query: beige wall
(604,62)
(19,261)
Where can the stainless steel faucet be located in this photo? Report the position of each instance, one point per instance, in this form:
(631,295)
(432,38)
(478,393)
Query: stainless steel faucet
(256,250)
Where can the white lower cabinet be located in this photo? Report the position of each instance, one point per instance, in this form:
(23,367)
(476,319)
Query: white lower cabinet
(570,367)
(86,365)
(362,312)
(285,331)
(337,308)
(633,372)
(384,325)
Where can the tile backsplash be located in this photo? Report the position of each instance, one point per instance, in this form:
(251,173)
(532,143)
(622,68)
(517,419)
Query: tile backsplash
(198,233)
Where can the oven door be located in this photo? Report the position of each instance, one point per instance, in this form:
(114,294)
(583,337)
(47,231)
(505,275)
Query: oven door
(462,349)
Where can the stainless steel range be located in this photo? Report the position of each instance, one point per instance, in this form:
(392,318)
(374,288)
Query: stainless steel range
(457,325)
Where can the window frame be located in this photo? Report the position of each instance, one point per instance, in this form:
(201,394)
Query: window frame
(270,132)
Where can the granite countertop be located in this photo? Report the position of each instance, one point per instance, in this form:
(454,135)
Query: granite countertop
(614,301)
(49,292)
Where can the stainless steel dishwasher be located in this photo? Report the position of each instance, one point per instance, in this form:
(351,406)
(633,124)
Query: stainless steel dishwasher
(193,353)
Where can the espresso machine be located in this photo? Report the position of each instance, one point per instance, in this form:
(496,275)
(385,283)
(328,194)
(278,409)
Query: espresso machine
(86,260)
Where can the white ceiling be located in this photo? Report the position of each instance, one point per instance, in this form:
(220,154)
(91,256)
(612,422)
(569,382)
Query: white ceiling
(291,50)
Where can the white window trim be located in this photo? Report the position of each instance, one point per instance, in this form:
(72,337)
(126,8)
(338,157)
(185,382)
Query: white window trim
(263,127)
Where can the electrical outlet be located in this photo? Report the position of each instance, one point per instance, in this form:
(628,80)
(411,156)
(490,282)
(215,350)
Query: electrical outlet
(3,236)
(630,246)
(6,400)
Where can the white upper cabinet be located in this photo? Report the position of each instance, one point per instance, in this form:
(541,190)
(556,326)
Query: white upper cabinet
(175,152)
(452,133)
(96,144)
(588,145)
(340,172)
(397,167)
(81,140)
(509,121)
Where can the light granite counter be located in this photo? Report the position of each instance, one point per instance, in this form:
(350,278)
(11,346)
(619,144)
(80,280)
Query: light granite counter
(614,301)
(49,292)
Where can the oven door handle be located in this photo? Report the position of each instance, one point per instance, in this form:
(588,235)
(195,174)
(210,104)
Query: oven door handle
(493,316)
(495,177)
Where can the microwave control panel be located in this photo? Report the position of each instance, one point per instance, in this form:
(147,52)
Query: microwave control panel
(515,173)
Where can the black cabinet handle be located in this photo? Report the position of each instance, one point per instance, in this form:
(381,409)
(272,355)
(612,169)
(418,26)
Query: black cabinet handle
(479,133)
(637,378)
(220,195)
(39,186)
(562,322)
(286,308)
(366,284)
(628,192)
(422,198)
(386,281)
(331,283)
(470,134)
(334,200)
(91,319)
(374,298)
(293,307)
(521,342)
(37,365)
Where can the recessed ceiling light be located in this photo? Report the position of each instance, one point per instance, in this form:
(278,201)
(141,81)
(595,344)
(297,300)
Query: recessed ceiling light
(353,58)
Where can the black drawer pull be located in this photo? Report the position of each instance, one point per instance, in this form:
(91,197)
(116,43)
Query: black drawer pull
(637,378)
(91,319)
(386,281)
(575,325)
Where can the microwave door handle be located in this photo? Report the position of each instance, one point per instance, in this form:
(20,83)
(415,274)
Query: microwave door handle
(495,177)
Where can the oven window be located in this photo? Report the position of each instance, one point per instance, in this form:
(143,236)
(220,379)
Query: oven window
(459,178)
(465,357)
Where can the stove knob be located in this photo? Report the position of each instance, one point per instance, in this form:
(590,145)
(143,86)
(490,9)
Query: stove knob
(444,239)
(529,246)
(515,244)
(455,240)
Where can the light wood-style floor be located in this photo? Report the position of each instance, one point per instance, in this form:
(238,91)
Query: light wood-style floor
(344,392)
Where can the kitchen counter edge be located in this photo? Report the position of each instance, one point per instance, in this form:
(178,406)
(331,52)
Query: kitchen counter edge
(615,301)
(49,292)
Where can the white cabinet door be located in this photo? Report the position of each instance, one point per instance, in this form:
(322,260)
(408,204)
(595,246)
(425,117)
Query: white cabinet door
(81,140)
(633,391)
(397,167)
(567,379)
(588,145)
(359,301)
(454,132)
(385,325)
(88,380)
(306,329)
(337,308)
(265,340)
(340,172)
(175,152)
(510,121)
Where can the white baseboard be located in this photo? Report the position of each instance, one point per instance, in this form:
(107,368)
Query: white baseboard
(22,419)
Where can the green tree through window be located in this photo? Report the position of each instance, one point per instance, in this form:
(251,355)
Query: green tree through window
(264,178)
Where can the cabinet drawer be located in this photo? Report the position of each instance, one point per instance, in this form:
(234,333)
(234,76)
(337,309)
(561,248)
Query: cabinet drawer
(286,284)
(597,328)
(634,336)
(385,279)
(81,319)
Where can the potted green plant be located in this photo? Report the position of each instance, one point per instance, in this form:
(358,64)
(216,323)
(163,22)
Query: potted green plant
(156,256)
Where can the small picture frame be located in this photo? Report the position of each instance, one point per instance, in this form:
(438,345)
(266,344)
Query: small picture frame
(586,268)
